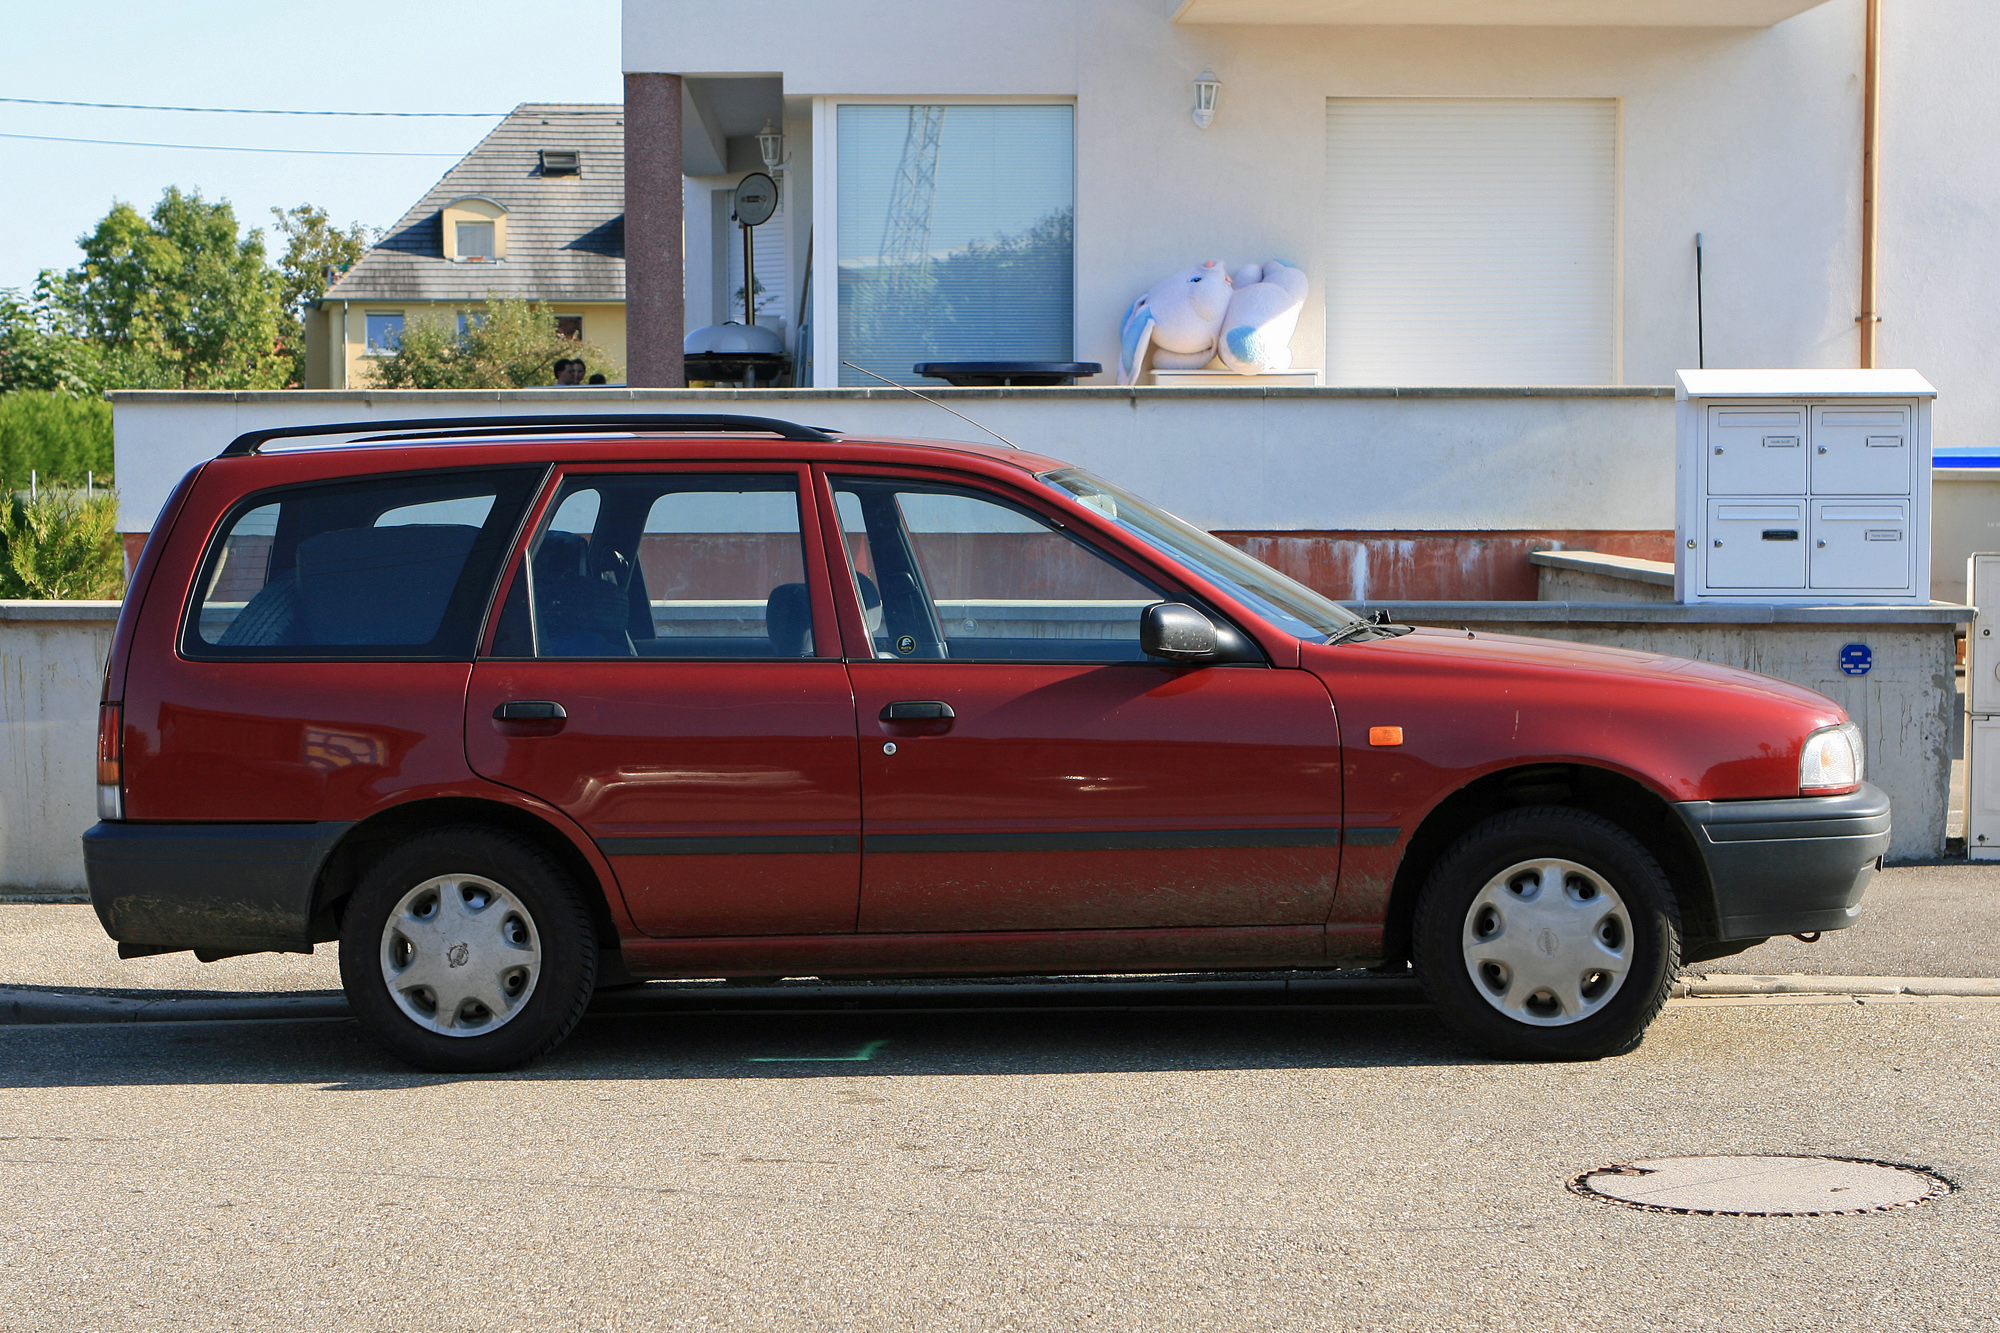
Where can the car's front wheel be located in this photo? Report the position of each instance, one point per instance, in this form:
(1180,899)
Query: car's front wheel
(467,949)
(1547,932)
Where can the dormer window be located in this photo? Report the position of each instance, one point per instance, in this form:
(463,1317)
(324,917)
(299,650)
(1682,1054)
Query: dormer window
(562,162)
(475,231)
(475,240)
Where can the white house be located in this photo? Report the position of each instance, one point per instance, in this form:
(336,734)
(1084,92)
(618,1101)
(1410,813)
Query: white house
(1486,194)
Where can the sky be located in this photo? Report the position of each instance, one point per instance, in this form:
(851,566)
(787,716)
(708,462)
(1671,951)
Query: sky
(307,57)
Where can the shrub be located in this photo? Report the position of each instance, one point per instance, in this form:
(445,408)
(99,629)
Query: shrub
(62,543)
(513,344)
(60,438)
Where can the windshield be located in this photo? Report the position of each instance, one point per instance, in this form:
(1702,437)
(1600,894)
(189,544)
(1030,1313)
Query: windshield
(1284,602)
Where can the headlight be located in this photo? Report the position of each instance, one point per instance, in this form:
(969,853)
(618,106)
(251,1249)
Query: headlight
(1831,759)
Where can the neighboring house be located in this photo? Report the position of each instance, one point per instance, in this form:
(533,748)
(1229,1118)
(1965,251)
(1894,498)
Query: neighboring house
(1493,194)
(536,210)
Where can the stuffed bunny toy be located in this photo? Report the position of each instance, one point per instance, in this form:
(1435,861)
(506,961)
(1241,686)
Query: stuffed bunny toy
(1177,322)
(1263,313)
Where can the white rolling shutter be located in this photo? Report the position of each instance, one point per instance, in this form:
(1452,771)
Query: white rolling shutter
(774,306)
(1471,241)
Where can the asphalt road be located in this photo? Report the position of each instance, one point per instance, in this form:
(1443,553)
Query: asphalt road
(1228,1171)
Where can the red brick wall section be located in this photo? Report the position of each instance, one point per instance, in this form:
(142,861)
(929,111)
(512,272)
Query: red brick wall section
(1432,566)
(654,322)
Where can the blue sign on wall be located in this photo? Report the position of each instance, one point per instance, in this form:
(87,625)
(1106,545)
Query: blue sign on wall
(1856,659)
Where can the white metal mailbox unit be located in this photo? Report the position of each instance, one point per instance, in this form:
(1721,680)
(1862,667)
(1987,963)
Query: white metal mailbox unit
(1982,707)
(1803,486)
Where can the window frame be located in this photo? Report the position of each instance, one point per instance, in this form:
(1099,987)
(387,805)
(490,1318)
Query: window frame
(854,628)
(827,625)
(825,295)
(190,646)
(368,347)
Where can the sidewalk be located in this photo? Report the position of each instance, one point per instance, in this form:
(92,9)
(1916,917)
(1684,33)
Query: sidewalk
(1935,921)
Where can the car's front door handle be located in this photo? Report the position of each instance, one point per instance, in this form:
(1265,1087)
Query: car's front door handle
(529,710)
(917,710)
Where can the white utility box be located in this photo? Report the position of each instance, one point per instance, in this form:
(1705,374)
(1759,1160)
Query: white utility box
(1803,486)
(1982,707)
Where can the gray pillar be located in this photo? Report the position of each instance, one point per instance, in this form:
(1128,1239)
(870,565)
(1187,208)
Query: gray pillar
(655,318)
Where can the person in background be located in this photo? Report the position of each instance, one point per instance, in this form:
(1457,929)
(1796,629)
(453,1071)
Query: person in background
(598,379)
(569,370)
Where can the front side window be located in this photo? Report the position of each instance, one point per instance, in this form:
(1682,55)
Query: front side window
(1284,601)
(385,333)
(954,235)
(664,565)
(389,567)
(947,573)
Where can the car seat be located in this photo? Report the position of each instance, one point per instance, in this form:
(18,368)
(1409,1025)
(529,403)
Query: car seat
(788,620)
(577,613)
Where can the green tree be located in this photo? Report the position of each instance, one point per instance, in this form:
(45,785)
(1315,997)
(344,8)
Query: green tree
(316,252)
(62,543)
(180,291)
(512,344)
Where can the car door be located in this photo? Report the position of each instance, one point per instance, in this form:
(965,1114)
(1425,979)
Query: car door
(1024,766)
(665,669)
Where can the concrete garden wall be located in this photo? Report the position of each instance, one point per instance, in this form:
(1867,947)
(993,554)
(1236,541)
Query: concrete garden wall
(52,658)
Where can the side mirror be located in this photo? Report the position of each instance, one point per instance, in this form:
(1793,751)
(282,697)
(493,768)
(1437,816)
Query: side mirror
(1176,631)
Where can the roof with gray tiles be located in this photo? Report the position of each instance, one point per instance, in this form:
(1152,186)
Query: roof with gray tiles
(565,234)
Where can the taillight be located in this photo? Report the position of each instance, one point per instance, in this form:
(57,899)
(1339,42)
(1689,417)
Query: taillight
(111,761)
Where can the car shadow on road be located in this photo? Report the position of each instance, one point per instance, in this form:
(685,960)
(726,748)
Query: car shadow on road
(337,1056)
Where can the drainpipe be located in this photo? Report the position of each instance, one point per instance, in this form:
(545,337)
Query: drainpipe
(1871,179)
(343,345)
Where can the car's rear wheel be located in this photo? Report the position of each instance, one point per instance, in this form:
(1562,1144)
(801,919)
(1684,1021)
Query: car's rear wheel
(1547,933)
(467,949)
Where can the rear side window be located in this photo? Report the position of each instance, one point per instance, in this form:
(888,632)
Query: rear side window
(664,565)
(389,567)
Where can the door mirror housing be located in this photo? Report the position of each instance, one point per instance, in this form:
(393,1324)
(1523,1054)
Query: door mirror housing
(1176,631)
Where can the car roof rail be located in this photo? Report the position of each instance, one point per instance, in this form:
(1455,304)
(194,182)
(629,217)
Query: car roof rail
(554,424)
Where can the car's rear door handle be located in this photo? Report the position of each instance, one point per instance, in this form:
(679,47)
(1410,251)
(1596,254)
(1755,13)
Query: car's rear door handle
(917,710)
(529,710)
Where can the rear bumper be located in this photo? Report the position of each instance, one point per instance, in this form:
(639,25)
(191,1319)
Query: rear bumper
(213,887)
(1789,866)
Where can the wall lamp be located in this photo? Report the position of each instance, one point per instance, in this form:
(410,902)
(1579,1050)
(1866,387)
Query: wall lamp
(771,143)
(1206,86)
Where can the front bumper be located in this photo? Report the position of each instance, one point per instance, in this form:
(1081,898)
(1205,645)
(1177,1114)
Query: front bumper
(1790,866)
(214,888)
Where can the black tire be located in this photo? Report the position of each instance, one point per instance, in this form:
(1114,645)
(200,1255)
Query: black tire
(1464,962)
(522,900)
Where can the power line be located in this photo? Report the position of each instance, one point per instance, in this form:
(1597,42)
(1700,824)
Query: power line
(243,111)
(223,148)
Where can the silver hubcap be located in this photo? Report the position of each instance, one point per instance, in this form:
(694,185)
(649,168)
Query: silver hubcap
(1548,942)
(460,955)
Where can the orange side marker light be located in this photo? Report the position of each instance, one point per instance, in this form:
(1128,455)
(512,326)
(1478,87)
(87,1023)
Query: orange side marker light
(1385,735)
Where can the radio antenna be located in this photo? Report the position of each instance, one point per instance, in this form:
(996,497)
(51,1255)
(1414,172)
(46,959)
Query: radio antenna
(934,403)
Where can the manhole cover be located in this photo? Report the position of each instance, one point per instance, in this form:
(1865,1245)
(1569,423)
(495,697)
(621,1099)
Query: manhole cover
(1761,1186)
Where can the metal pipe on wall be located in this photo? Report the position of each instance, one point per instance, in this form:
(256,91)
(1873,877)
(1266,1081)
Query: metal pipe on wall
(1871,174)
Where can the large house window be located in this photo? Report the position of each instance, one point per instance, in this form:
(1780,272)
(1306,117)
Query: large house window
(385,332)
(1471,241)
(955,235)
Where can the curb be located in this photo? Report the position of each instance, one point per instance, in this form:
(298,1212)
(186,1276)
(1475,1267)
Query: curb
(20,1006)
(1717,987)
(28,1006)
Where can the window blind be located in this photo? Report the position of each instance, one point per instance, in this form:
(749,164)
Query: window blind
(954,235)
(1471,241)
(768,241)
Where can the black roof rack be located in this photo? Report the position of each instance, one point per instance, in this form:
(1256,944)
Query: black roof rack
(554,424)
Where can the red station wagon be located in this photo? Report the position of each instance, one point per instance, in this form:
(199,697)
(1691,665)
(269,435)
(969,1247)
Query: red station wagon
(513,707)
